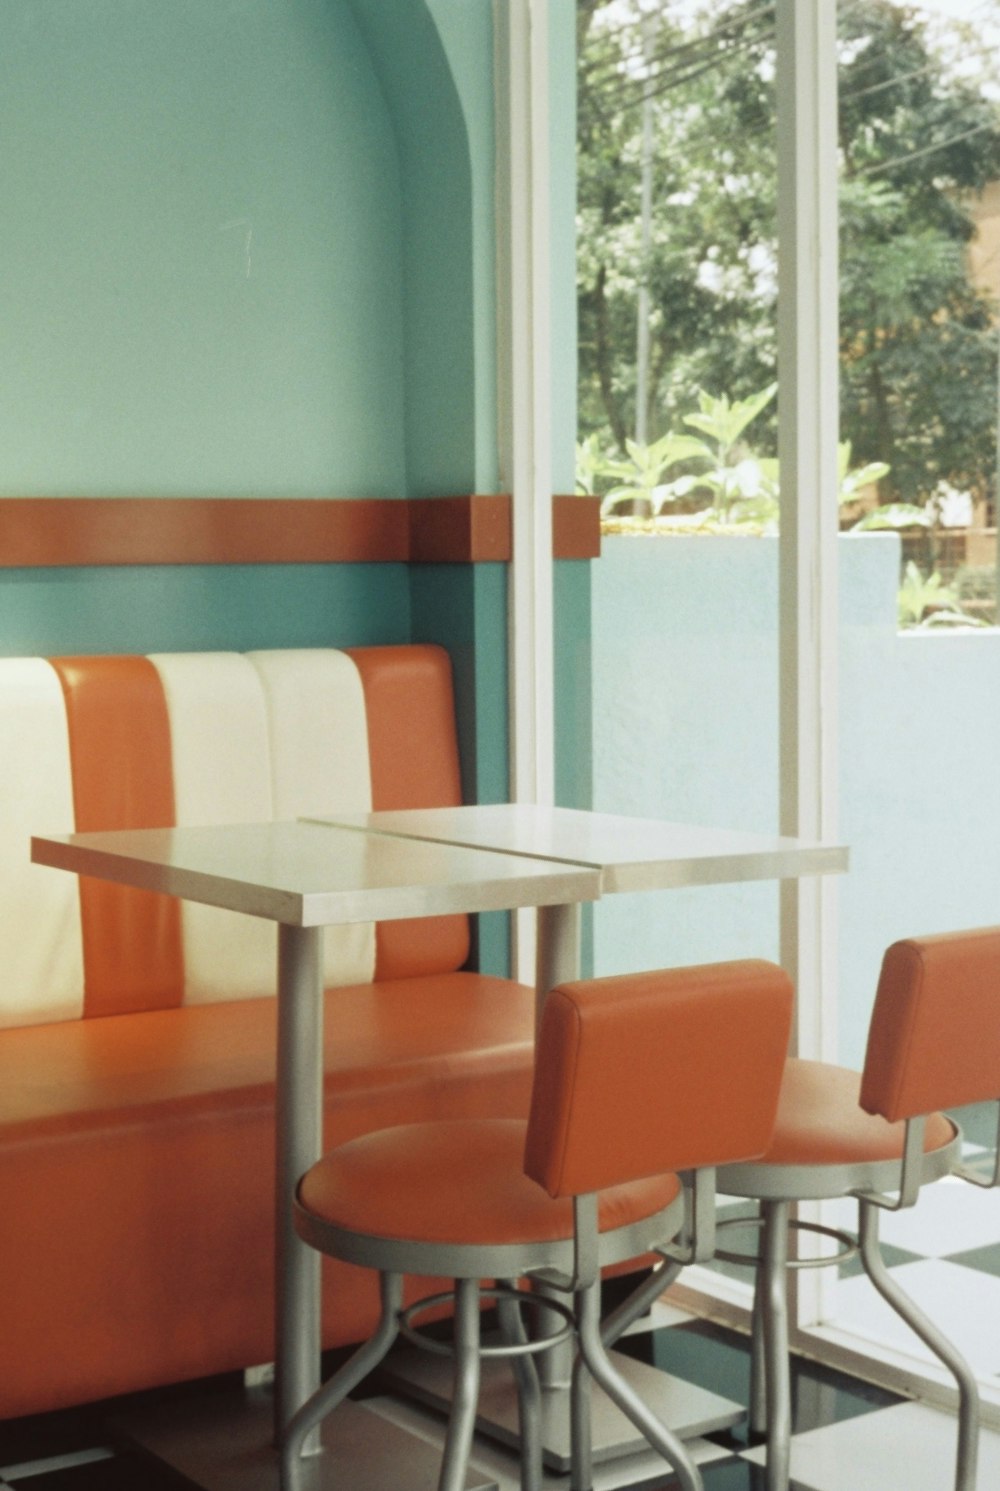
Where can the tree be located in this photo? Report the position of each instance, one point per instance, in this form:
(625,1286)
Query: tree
(919,342)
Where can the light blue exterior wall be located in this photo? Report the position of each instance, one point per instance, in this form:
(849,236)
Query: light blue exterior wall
(685,727)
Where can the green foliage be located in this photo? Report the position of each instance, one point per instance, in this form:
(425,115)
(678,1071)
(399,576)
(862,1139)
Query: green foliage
(895,516)
(732,486)
(918,341)
(925,601)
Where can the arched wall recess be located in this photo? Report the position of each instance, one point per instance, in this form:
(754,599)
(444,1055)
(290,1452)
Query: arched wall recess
(433,64)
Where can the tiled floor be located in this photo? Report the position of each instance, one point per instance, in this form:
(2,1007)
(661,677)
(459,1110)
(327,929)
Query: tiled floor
(848,1435)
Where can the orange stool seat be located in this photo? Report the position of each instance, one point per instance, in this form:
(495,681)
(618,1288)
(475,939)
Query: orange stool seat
(820,1121)
(465,1184)
(879,1136)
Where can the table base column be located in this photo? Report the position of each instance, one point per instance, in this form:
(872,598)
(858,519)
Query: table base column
(228,1446)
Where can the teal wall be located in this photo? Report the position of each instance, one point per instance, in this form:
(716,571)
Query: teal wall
(434,63)
(248,249)
(232,607)
(201,241)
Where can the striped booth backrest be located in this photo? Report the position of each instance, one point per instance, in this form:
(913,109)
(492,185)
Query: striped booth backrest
(196,738)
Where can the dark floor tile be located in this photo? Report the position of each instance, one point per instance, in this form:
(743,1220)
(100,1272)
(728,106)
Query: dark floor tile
(123,1473)
(978,1123)
(725,1475)
(47,1434)
(893,1258)
(986,1260)
(737,1232)
(719,1360)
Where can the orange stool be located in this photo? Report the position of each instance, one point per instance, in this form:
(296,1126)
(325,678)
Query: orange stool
(636,1077)
(933,1043)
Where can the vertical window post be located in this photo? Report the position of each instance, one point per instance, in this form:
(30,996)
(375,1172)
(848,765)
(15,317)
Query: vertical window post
(525,382)
(808,428)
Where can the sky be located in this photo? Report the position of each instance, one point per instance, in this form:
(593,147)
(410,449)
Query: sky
(984,14)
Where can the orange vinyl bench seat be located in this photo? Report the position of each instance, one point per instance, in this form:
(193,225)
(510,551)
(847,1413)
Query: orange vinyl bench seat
(137,1034)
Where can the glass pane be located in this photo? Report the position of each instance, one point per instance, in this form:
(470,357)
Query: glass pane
(920,651)
(678,434)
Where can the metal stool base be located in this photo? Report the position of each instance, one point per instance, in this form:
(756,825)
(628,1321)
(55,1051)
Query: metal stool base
(690,1411)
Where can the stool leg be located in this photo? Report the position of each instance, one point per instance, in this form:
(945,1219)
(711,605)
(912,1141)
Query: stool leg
(465,1395)
(968,1390)
(354,1371)
(620,1392)
(774,1316)
(642,1298)
(529,1391)
(757,1417)
(581,1450)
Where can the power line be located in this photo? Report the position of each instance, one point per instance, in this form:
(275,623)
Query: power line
(671,50)
(899,160)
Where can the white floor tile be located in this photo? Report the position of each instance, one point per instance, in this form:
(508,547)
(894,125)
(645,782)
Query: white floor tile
(908,1448)
(962,1301)
(950,1217)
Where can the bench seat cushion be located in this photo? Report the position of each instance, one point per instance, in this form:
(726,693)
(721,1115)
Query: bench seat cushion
(140,1150)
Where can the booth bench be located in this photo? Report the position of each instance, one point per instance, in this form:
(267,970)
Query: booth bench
(137,1033)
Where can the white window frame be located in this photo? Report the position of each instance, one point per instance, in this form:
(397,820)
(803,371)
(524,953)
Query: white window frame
(809,431)
(525,353)
(808,437)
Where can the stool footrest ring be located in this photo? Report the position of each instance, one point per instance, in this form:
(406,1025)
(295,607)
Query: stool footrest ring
(505,1349)
(848,1243)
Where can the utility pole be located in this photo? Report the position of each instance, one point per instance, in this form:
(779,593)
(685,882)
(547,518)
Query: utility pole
(650,25)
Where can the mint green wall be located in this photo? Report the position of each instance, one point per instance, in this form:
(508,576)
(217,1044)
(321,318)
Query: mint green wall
(201,249)
(232,607)
(248,248)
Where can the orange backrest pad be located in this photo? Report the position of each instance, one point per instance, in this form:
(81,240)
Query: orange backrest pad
(934,1038)
(119,741)
(651,1072)
(413,748)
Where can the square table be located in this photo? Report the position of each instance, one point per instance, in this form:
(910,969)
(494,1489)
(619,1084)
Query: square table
(627,854)
(305,876)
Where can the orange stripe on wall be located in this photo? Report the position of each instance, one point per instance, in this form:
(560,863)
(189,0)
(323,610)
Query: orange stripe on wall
(459,530)
(59,531)
(119,738)
(69,532)
(413,748)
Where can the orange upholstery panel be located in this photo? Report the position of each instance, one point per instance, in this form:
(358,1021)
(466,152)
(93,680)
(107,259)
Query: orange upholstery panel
(140,1153)
(657,1071)
(119,740)
(934,1038)
(485,1198)
(413,767)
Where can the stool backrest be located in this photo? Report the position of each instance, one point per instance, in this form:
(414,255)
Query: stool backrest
(934,1038)
(647,1073)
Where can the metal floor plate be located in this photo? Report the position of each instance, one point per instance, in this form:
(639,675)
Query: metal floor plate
(689,1410)
(225,1445)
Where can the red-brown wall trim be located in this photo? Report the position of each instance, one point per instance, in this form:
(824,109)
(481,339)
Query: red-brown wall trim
(576,527)
(459,529)
(37,531)
(73,531)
